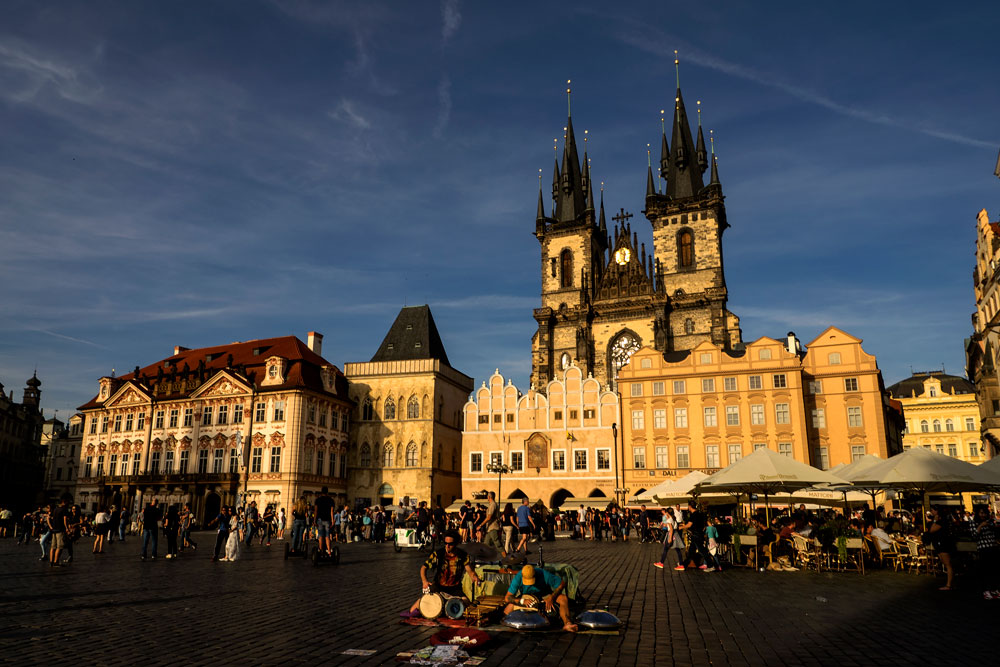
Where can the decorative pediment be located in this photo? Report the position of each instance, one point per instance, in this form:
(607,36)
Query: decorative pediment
(222,383)
(204,441)
(91,448)
(185,442)
(170,442)
(277,440)
(321,441)
(127,394)
(232,440)
(258,439)
(220,440)
(311,439)
(115,446)
(102,447)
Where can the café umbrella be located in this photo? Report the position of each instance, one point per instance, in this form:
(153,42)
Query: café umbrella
(765,472)
(856,470)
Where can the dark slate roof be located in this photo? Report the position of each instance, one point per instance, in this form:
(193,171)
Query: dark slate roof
(412,336)
(915,385)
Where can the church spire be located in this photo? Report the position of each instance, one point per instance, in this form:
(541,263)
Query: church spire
(715,161)
(602,224)
(700,149)
(650,187)
(683,175)
(541,204)
(664,148)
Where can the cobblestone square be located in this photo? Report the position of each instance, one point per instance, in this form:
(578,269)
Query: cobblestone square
(117,610)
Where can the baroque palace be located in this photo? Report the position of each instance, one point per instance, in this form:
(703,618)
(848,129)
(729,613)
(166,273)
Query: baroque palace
(639,370)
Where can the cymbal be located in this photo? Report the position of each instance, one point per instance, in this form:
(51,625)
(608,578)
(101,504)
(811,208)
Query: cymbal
(480,551)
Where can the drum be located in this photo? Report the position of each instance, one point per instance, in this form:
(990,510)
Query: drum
(454,608)
(525,620)
(431,605)
(596,619)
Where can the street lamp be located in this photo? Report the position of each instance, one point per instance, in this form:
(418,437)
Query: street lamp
(500,469)
(614,434)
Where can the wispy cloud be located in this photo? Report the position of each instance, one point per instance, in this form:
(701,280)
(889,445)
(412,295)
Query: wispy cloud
(451,19)
(655,43)
(71,338)
(444,107)
(346,111)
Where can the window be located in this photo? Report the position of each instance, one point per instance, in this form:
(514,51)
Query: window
(135,464)
(93,426)
(390,408)
(104,424)
(785,449)
(498,418)
(510,416)
(367,411)
(168,463)
(711,456)
(659,418)
(58,474)
(604,459)
(496,458)
(366,456)
(780,382)
(638,420)
(854,418)
(206,416)
(342,465)
(387,454)
(819,418)
(952,449)
(708,385)
(658,389)
(646,363)
(234,460)
(129,420)
(933,392)
(857,452)
(118,423)
(710,417)
(850,384)
(974,449)
(679,387)
(924,426)
(557,415)
(579,459)
(411,455)
(158,421)
(276,459)
(815,386)
(764,355)
(476,462)
(680,417)
(996,406)
(413,408)
(937,425)
(87,466)
(112,464)
(685,249)
(824,458)
(637,389)
(260,412)
(279,411)
(705,358)
(558,460)
(755,382)
(588,414)
(834,358)
(218,460)
(517,461)
(735,453)
(970,424)
(320,458)
(124,468)
(322,417)
(781,415)
(172,422)
(683,459)
(188,417)
(333,465)
(223,417)
(185,459)
(689,326)
(939,449)
(729,384)
(732,415)
(256,459)
(638,458)
(311,413)
(662,458)
(949,425)
(566,268)
(484,419)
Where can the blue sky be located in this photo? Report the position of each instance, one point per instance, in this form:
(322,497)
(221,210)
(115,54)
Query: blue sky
(194,173)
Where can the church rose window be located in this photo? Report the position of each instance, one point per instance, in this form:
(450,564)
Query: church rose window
(622,349)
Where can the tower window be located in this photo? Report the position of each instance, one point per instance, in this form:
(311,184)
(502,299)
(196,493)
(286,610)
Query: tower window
(566,268)
(685,249)
(689,326)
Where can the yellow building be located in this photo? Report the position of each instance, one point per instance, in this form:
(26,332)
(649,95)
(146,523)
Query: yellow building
(177,430)
(706,408)
(406,443)
(558,444)
(983,347)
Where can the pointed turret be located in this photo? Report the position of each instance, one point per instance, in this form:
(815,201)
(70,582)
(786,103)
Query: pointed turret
(571,202)
(541,208)
(602,224)
(700,151)
(555,181)
(588,183)
(683,175)
(650,188)
(664,157)
(715,172)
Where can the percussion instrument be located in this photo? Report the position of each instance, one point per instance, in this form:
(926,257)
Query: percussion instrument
(520,619)
(431,605)
(486,606)
(454,608)
(480,551)
(596,619)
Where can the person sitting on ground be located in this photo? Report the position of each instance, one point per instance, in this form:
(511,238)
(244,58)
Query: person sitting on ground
(443,570)
(544,586)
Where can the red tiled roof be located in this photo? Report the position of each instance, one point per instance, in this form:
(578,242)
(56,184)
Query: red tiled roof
(303,366)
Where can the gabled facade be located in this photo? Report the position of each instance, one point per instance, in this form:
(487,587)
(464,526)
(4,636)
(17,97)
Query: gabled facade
(983,347)
(22,457)
(267,417)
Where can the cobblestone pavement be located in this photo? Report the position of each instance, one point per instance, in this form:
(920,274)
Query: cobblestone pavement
(116,610)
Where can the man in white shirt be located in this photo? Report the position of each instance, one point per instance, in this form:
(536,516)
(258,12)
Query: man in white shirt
(881,538)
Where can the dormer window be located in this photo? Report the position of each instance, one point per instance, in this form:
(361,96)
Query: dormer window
(272,372)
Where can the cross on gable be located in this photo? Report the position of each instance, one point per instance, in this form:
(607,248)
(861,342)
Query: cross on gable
(621,216)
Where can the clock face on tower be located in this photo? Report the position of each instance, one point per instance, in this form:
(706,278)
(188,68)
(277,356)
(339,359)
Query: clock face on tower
(622,256)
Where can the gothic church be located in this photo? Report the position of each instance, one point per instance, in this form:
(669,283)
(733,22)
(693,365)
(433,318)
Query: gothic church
(603,296)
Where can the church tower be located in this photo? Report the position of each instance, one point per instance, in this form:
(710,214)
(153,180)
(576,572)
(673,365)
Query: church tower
(688,220)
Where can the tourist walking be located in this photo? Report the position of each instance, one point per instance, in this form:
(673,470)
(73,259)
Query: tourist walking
(509,523)
(232,543)
(171,527)
(101,527)
(525,524)
(74,530)
(941,536)
(187,518)
(298,523)
(985,533)
(150,516)
(671,540)
(123,518)
(57,527)
(281,524)
(695,527)
(223,522)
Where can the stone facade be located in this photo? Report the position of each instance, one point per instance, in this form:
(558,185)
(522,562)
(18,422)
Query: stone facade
(62,443)
(22,458)
(983,347)
(558,443)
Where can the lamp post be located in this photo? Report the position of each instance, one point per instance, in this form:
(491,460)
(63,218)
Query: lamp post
(614,435)
(500,469)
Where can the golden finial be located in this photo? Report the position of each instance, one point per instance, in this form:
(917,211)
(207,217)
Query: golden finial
(649,160)
(677,69)
(699,113)
(569,109)
(539,180)
(602,187)
(711,140)
(663,116)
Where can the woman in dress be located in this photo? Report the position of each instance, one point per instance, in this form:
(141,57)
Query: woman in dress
(101,520)
(942,538)
(233,543)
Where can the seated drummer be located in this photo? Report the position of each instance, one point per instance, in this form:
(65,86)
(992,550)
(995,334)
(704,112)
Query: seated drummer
(546,586)
(443,570)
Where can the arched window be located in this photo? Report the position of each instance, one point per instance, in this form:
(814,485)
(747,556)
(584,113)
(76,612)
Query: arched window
(413,408)
(566,268)
(366,456)
(924,426)
(937,425)
(387,455)
(366,409)
(685,249)
(385,491)
(689,326)
(621,349)
(390,408)
(411,455)
(949,425)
